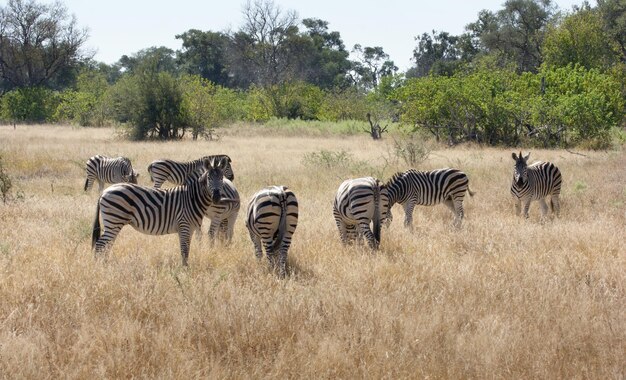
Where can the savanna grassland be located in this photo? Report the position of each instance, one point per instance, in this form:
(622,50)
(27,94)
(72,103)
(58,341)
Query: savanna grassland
(502,297)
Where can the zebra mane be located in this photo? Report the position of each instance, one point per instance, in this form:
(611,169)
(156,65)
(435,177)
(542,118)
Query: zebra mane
(394,178)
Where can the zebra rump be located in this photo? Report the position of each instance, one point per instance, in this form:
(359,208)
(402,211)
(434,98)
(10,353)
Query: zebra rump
(358,203)
(272,219)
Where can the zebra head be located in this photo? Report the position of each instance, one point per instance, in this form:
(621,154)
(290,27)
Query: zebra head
(128,173)
(132,177)
(215,177)
(520,170)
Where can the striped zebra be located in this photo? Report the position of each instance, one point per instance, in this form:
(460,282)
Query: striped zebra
(159,212)
(357,203)
(109,170)
(534,183)
(271,221)
(178,172)
(412,187)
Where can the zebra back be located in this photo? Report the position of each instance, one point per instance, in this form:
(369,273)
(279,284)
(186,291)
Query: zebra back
(179,173)
(109,170)
(427,187)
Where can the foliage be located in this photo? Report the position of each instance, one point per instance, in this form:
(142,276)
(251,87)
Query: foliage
(501,107)
(39,45)
(579,39)
(515,32)
(207,106)
(204,54)
(371,64)
(150,103)
(31,105)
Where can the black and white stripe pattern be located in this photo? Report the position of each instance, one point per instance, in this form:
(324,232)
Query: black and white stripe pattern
(271,222)
(109,170)
(179,172)
(357,203)
(413,187)
(159,212)
(534,183)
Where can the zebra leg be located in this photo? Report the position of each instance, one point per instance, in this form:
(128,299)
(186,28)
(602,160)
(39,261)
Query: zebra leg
(544,208)
(282,259)
(213,230)
(408,214)
(364,228)
(271,254)
(343,231)
(256,241)
(526,207)
(556,205)
(106,240)
(157,184)
(184,236)
(518,206)
(457,209)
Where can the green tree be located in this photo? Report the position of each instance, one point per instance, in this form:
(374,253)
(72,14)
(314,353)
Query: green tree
(160,58)
(613,14)
(207,106)
(579,39)
(515,32)
(370,65)
(205,54)
(150,102)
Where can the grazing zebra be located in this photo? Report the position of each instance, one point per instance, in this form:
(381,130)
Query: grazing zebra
(534,183)
(272,220)
(414,187)
(159,212)
(109,170)
(357,203)
(178,172)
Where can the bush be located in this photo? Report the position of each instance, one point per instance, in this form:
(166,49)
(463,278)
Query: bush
(30,105)
(411,147)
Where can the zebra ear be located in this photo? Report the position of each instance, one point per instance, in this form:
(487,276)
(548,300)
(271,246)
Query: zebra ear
(526,157)
(207,164)
(514,156)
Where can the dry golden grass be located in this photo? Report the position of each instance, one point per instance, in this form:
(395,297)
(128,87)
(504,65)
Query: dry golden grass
(501,298)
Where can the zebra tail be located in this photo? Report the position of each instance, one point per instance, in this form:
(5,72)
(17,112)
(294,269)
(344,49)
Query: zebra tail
(86,183)
(282,222)
(377,213)
(96,227)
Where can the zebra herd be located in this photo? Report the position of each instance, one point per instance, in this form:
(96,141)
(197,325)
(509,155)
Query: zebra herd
(205,189)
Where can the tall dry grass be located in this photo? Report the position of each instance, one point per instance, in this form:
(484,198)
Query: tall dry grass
(501,298)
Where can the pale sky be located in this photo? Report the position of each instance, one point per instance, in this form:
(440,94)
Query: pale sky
(119,27)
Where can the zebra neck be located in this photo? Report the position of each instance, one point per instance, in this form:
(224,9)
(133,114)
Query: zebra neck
(395,192)
(199,194)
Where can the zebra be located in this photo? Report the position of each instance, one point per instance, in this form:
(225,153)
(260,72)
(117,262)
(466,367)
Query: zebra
(412,187)
(357,203)
(159,212)
(178,172)
(109,170)
(534,183)
(272,218)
